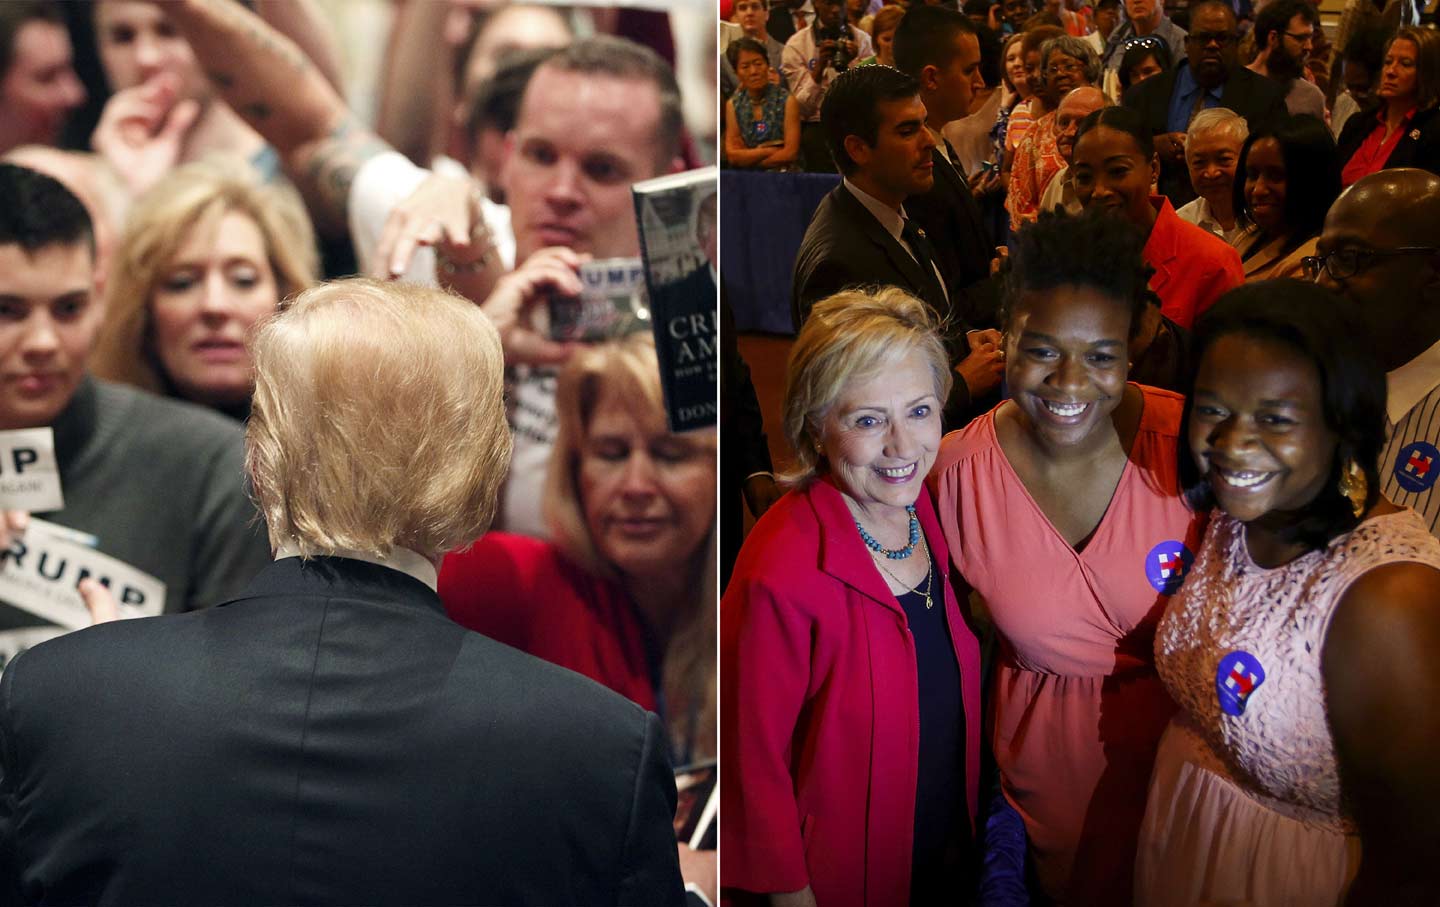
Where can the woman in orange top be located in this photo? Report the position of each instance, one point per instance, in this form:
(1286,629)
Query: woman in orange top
(1114,169)
(1062,509)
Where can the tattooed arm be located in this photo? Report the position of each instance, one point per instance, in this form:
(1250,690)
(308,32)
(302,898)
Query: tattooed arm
(274,86)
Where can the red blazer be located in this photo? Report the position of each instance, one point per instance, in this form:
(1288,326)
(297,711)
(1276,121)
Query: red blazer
(1192,266)
(820,709)
(526,594)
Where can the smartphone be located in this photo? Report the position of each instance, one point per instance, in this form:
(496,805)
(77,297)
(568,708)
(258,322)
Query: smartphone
(612,302)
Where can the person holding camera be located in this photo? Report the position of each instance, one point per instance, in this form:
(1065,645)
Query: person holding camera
(813,57)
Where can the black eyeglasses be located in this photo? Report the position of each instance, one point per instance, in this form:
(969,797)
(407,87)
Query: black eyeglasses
(1202,38)
(1343,264)
(1149,41)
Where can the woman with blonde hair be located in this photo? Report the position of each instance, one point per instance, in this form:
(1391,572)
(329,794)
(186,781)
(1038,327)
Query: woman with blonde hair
(205,255)
(851,708)
(624,591)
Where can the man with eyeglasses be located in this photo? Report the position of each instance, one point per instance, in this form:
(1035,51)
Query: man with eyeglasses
(1379,250)
(1284,36)
(1209,76)
(1143,17)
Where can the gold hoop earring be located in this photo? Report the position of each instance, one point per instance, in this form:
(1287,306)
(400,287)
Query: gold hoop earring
(1353,486)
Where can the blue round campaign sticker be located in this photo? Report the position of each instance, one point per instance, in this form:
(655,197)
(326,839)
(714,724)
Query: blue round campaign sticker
(1236,680)
(1417,466)
(1166,566)
(761,127)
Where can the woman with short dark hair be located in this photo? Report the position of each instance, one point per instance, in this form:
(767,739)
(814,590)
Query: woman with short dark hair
(1300,647)
(1062,509)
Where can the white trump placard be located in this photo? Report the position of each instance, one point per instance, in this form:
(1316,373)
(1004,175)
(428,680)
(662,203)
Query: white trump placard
(29,477)
(40,573)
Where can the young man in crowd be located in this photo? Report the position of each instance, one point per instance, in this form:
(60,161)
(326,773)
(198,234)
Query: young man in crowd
(861,234)
(1381,249)
(751,16)
(155,483)
(1209,76)
(814,57)
(1284,37)
(38,85)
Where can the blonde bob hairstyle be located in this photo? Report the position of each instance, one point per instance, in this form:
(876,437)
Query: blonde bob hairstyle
(853,336)
(628,368)
(191,201)
(378,420)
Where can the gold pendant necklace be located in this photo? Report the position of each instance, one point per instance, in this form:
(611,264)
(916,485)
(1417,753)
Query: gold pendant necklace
(929,574)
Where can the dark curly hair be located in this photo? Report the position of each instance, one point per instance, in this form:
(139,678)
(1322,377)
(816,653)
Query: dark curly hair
(1319,325)
(1094,249)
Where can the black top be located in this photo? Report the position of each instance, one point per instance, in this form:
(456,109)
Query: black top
(941,831)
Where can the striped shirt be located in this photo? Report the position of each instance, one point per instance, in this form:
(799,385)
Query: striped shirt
(1410,463)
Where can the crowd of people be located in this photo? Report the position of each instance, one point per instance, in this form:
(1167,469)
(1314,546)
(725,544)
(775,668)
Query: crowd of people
(1108,567)
(301,460)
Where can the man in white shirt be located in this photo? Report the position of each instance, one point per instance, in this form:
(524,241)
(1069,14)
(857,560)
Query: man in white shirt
(1212,154)
(1381,249)
(813,58)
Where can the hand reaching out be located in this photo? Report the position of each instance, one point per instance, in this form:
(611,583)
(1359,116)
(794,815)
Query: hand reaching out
(142,130)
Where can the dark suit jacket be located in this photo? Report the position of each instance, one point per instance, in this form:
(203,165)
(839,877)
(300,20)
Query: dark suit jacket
(1259,100)
(952,220)
(330,737)
(845,246)
(1418,147)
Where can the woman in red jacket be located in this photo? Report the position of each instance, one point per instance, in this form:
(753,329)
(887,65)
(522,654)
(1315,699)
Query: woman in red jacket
(851,698)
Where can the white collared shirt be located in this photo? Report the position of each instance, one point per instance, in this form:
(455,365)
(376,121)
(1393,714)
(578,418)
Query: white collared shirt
(1410,463)
(410,563)
(894,223)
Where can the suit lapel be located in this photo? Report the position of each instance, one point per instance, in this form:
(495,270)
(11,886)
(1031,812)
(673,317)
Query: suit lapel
(899,259)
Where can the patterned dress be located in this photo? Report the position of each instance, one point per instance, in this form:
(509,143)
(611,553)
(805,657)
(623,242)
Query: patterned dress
(1245,799)
(770,128)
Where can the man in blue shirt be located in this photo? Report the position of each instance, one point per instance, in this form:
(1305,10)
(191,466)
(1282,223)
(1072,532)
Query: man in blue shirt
(1210,75)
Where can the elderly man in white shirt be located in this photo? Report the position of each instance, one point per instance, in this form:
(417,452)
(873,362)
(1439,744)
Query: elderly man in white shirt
(1212,154)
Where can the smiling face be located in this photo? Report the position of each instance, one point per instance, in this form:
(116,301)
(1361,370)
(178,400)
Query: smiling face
(1111,171)
(218,285)
(648,495)
(1399,80)
(1015,12)
(1066,360)
(1257,427)
(579,143)
(881,436)
(1265,186)
(1212,157)
(48,323)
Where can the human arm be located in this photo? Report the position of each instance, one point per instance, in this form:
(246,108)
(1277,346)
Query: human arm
(446,213)
(766,655)
(415,91)
(1382,681)
(509,306)
(803,80)
(650,862)
(788,152)
(304,22)
(275,88)
(736,151)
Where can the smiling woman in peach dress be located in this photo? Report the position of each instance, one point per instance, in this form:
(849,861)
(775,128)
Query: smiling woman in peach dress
(1062,508)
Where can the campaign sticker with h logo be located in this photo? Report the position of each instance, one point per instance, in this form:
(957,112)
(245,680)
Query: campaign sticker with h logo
(1236,678)
(1166,566)
(1417,466)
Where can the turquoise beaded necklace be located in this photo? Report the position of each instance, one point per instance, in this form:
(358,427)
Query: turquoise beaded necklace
(896,554)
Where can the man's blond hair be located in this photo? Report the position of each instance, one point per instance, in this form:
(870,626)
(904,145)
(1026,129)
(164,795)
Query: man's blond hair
(378,420)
